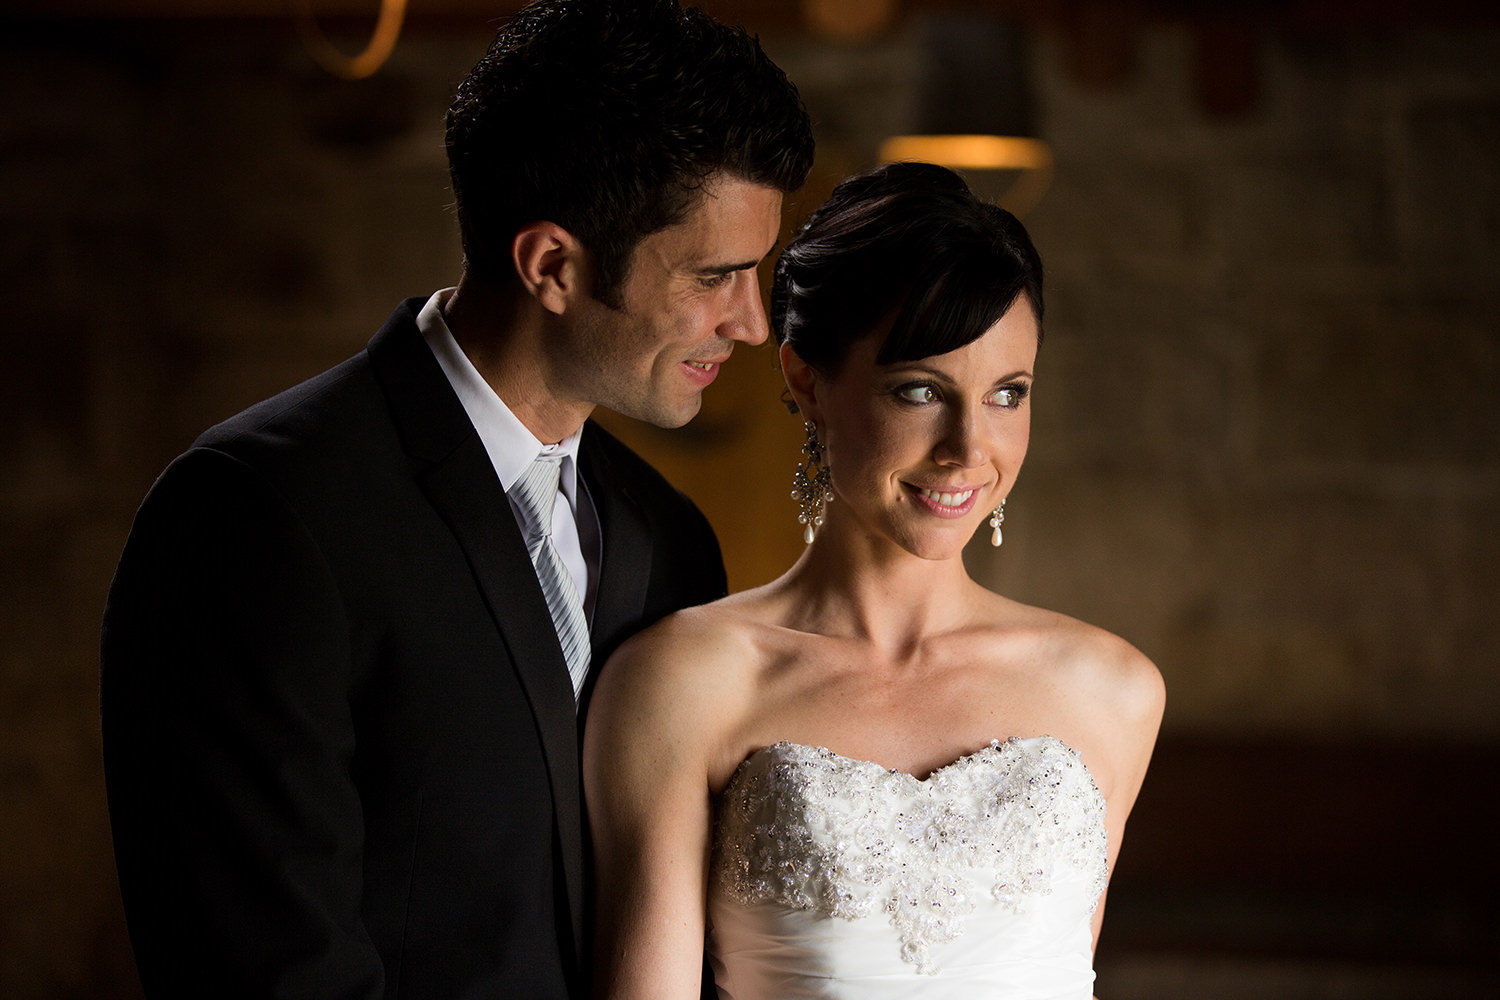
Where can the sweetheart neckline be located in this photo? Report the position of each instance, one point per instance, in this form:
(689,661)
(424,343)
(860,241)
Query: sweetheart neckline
(809,829)
(993,746)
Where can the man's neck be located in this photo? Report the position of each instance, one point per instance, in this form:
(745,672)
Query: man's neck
(500,332)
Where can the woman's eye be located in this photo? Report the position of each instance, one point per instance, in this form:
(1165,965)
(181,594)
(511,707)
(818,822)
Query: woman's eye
(1010,397)
(917,392)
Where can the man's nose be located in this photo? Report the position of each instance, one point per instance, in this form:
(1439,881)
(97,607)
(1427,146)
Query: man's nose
(746,321)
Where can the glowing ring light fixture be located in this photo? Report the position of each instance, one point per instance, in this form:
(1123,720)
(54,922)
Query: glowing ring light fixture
(382,42)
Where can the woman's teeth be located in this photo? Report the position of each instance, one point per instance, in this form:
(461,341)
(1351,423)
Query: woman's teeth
(947,499)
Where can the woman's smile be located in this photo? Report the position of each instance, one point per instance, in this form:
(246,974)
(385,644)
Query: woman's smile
(950,502)
(921,451)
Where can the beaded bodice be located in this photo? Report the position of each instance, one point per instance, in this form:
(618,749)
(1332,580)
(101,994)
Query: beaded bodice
(804,834)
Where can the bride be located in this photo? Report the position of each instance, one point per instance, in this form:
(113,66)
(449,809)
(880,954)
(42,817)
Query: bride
(873,777)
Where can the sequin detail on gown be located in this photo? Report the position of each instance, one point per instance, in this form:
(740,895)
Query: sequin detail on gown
(815,831)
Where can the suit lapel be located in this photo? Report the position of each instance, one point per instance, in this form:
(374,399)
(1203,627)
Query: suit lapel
(455,473)
(625,563)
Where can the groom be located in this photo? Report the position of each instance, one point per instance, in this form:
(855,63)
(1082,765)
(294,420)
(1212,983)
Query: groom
(351,635)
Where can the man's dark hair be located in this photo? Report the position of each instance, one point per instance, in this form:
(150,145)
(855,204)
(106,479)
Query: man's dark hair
(606,117)
(908,242)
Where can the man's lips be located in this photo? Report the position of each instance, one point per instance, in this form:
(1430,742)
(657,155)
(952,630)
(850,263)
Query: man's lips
(703,372)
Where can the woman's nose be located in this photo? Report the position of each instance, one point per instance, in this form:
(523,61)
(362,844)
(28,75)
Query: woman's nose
(963,443)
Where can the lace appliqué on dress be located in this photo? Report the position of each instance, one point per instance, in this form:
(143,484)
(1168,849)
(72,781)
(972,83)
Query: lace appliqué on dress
(813,830)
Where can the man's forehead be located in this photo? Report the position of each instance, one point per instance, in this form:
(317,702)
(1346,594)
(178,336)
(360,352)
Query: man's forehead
(732,219)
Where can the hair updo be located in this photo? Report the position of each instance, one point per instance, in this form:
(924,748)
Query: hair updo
(908,242)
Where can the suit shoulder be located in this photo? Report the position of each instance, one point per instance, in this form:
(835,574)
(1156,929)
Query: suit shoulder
(623,465)
(329,442)
(317,408)
(687,561)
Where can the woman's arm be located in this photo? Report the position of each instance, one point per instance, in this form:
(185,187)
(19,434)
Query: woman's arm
(1130,705)
(646,785)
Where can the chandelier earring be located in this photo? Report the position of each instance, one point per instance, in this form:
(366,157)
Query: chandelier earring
(812,485)
(997,518)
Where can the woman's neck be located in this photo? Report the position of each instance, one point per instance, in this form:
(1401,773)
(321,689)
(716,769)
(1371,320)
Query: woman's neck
(850,583)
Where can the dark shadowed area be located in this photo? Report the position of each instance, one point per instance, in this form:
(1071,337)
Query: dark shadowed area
(1267,417)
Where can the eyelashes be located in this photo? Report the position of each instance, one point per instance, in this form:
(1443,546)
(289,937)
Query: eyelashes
(917,393)
(1007,397)
(1013,394)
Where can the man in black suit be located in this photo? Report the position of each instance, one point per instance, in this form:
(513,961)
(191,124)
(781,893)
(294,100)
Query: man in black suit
(348,645)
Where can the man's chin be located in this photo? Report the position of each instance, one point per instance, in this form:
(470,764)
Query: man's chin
(678,418)
(661,415)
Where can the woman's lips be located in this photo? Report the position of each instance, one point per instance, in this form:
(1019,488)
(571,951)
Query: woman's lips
(944,503)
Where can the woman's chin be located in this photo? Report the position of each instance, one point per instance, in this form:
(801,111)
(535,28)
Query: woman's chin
(935,544)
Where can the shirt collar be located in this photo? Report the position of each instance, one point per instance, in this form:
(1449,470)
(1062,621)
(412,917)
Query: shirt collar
(511,447)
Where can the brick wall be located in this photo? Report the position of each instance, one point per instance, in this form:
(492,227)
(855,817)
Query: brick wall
(1268,443)
(1266,431)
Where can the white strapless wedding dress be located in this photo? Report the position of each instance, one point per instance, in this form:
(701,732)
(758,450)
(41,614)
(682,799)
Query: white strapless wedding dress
(839,879)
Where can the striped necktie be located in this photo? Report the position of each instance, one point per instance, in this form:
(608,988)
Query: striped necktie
(536,491)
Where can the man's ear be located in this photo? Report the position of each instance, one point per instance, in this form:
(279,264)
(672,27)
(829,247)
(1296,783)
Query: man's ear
(802,382)
(551,263)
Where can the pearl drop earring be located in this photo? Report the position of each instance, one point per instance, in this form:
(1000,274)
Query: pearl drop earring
(812,485)
(996,519)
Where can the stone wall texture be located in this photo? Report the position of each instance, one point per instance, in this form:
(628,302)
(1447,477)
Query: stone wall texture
(1267,441)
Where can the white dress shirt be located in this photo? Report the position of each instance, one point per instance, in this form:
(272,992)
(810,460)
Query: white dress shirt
(512,448)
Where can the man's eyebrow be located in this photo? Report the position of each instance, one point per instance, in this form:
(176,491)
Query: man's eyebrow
(717,269)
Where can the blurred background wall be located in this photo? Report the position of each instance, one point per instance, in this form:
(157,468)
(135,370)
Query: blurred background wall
(1266,448)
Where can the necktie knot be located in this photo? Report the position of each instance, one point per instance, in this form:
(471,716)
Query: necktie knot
(536,490)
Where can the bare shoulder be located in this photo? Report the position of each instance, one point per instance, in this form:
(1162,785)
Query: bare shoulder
(1102,674)
(678,680)
(1120,677)
(689,646)
(1086,686)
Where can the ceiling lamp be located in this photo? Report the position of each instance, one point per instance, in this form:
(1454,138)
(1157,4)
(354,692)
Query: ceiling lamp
(844,21)
(1029,159)
(327,55)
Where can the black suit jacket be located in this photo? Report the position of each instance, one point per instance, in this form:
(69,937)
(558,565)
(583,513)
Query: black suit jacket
(340,740)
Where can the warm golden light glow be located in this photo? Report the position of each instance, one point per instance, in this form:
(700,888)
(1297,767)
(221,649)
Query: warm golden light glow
(1029,159)
(969,152)
(382,42)
(849,22)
